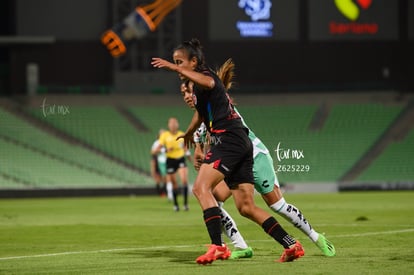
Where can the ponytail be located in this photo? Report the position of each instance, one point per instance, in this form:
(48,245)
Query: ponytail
(226,73)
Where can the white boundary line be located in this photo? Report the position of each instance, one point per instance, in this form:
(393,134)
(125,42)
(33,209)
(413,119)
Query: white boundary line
(93,251)
(183,246)
(375,233)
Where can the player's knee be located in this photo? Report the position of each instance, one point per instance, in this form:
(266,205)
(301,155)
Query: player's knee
(245,210)
(198,190)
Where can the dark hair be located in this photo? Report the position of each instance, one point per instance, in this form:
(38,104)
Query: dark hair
(194,49)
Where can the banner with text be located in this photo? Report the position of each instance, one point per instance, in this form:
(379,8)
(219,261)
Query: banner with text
(353,20)
(253,19)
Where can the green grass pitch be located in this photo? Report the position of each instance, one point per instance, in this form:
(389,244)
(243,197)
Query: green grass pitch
(373,233)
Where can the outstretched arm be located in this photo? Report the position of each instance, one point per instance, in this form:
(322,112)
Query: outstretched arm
(202,80)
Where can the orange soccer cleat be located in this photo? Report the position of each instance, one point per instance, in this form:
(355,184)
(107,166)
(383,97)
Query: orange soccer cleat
(293,253)
(213,253)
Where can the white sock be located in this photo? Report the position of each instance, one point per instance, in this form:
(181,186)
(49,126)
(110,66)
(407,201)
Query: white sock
(294,216)
(169,188)
(230,229)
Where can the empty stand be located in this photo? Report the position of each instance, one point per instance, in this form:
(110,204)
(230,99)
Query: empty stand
(395,164)
(348,132)
(30,147)
(110,143)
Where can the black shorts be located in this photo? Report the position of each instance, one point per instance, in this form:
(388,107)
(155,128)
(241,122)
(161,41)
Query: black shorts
(174,164)
(232,155)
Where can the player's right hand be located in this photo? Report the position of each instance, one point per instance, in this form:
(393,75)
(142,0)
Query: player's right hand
(188,140)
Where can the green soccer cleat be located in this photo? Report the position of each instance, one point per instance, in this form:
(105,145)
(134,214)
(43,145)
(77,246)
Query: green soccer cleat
(327,248)
(241,253)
